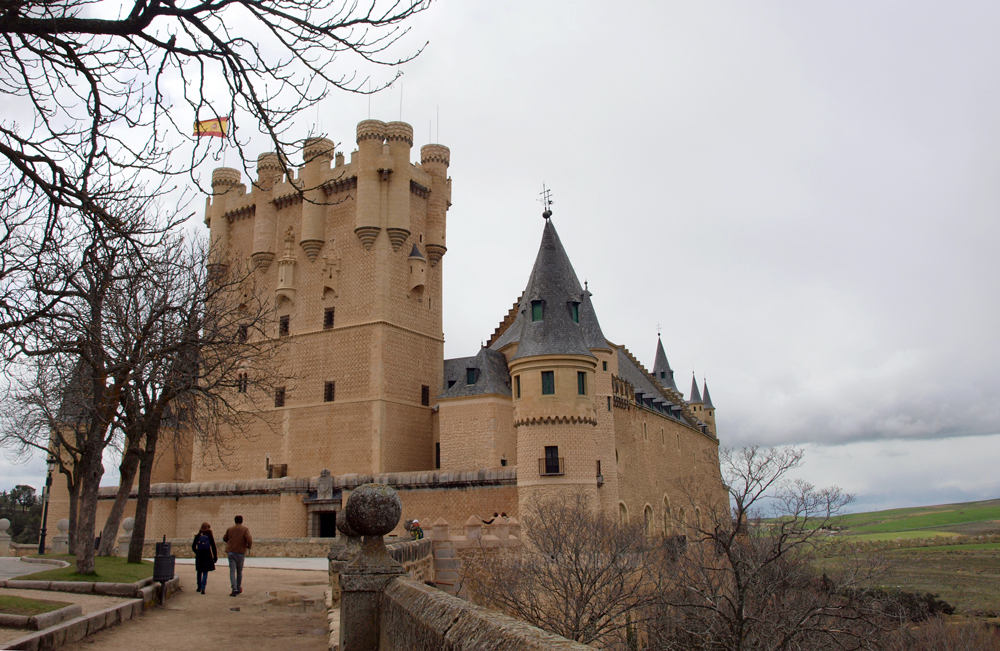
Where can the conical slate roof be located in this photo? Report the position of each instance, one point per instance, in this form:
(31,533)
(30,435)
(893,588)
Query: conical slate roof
(661,367)
(708,398)
(695,396)
(415,253)
(554,283)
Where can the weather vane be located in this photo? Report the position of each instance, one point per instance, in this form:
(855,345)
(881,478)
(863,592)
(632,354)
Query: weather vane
(546,201)
(657,328)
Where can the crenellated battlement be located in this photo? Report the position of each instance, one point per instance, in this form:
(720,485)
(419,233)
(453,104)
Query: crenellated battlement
(224,177)
(321,148)
(372,130)
(435,154)
(399,131)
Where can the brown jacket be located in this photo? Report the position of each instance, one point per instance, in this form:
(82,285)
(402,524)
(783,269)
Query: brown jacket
(237,539)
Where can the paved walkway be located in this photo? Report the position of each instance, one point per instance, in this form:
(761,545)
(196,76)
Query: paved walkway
(12,566)
(321,564)
(272,613)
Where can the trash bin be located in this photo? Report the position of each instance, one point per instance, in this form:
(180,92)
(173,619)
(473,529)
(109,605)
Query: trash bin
(163,562)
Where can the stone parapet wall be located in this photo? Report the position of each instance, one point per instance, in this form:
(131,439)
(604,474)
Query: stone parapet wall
(416,617)
(262,547)
(416,556)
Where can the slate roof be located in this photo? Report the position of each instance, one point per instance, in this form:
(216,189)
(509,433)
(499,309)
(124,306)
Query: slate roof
(415,253)
(628,371)
(553,282)
(695,396)
(708,398)
(661,367)
(492,375)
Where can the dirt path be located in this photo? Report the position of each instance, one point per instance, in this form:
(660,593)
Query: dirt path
(263,617)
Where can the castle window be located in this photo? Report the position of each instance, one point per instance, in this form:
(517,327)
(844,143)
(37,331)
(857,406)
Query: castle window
(551,464)
(283,326)
(548,383)
(574,311)
(279,397)
(425,394)
(242,333)
(437,455)
(241,382)
(517,385)
(503,462)
(451,383)
(605,366)
(328,318)
(663,374)
(536,310)
(581,383)
(609,403)
(329,391)
(471,375)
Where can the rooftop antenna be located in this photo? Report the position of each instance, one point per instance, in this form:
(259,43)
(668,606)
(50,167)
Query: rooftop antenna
(400,100)
(657,329)
(546,201)
(369,98)
(439,123)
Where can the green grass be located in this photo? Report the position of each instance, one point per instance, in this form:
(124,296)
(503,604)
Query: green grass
(944,517)
(905,535)
(11,605)
(109,569)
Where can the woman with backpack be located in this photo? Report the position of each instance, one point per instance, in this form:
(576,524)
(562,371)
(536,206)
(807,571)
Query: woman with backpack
(205,554)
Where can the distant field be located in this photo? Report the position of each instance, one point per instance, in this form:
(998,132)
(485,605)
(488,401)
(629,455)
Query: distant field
(969,518)
(965,575)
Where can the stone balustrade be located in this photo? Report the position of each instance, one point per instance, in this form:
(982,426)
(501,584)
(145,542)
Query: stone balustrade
(383,609)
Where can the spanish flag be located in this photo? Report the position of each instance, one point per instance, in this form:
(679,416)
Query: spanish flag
(218,127)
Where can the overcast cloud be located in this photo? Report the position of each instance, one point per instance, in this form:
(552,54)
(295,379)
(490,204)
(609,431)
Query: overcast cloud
(803,195)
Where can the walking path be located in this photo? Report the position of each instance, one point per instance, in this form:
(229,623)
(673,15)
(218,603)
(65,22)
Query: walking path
(11,567)
(268,615)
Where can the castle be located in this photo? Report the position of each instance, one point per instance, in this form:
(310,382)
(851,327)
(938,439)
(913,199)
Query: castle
(354,267)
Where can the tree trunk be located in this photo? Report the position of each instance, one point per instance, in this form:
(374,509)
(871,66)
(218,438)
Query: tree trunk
(74,502)
(142,498)
(90,482)
(128,468)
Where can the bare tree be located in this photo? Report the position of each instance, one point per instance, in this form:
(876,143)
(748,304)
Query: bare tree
(579,573)
(743,581)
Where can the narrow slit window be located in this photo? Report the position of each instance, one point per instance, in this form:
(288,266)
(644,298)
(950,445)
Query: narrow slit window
(437,455)
(605,365)
(574,311)
(425,395)
(548,383)
(283,326)
(279,397)
(517,385)
(609,403)
(241,383)
(328,318)
(581,382)
(329,391)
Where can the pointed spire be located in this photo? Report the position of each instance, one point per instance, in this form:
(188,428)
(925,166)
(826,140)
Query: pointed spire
(695,396)
(415,253)
(564,322)
(708,398)
(661,367)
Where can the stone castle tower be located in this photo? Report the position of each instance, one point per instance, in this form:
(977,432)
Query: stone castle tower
(354,268)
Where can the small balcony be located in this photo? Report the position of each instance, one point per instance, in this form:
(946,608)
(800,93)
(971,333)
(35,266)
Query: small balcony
(551,466)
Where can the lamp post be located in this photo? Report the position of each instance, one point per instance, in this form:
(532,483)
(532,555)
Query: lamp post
(51,465)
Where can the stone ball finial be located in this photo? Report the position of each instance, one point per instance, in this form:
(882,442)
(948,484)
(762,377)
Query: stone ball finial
(345,528)
(4,525)
(128,524)
(63,525)
(373,509)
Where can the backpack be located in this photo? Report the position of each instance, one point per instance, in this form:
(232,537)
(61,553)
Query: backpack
(203,544)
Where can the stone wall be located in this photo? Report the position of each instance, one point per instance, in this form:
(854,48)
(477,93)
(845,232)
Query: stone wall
(417,556)
(416,617)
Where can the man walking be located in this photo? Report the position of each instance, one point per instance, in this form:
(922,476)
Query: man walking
(238,542)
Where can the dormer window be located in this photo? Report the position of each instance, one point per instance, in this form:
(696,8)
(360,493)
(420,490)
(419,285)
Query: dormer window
(471,375)
(574,311)
(536,310)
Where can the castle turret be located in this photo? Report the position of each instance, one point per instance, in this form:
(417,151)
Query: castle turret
(368,224)
(269,172)
(316,155)
(695,398)
(399,138)
(553,370)
(418,270)
(435,160)
(708,415)
(225,187)
(661,368)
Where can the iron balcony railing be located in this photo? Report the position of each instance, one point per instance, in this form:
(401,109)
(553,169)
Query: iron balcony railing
(551,466)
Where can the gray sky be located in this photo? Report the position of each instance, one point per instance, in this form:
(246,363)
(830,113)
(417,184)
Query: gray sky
(803,196)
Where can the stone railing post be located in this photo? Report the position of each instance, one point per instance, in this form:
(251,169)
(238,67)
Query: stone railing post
(441,533)
(341,555)
(373,510)
(125,539)
(60,543)
(4,537)
(473,528)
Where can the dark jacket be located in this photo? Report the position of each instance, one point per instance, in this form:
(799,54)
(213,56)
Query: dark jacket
(205,560)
